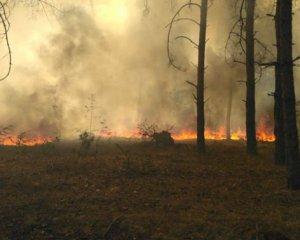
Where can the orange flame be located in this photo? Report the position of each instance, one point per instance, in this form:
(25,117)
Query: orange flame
(220,134)
(28,141)
(263,133)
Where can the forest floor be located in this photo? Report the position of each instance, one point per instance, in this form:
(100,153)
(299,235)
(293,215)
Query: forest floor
(161,193)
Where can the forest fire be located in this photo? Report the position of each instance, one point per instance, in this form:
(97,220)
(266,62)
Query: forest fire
(263,135)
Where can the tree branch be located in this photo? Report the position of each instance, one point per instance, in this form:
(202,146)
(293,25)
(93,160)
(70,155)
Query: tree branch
(187,38)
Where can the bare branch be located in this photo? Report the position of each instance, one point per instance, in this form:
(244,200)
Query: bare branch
(184,19)
(187,38)
(174,20)
(192,84)
(296,59)
(5,24)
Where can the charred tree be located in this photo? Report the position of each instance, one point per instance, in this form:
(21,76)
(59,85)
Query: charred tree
(288,94)
(278,115)
(250,69)
(249,51)
(201,46)
(200,80)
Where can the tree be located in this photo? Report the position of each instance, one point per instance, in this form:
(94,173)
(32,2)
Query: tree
(200,79)
(288,93)
(253,51)
(201,46)
(278,115)
(278,104)
(278,101)
(250,69)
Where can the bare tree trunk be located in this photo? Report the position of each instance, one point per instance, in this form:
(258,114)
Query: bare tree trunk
(250,68)
(229,109)
(200,80)
(288,95)
(278,115)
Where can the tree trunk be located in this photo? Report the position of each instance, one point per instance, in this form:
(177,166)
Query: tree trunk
(200,80)
(278,115)
(250,68)
(288,95)
(229,109)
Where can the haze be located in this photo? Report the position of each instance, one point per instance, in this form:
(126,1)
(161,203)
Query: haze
(111,49)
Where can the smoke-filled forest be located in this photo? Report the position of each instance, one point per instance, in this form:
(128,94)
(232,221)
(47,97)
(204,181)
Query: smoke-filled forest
(150,119)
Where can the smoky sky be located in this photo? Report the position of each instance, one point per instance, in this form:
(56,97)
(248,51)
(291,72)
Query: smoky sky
(123,63)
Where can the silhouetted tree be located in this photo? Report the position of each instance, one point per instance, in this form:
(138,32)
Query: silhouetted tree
(200,79)
(242,35)
(288,93)
(250,69)
(278,114)
(278,102)
(201,46)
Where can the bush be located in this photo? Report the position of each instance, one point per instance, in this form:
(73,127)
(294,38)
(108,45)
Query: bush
(86,140)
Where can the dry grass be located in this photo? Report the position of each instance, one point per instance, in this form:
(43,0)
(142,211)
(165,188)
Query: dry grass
(162,193)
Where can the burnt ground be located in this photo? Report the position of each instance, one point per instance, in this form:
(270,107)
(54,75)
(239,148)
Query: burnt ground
(50,192)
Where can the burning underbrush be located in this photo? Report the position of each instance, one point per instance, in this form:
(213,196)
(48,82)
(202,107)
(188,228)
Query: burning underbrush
(220,134)
(15,140)
(160,138)
(144,131)
(264,133)
(9,138)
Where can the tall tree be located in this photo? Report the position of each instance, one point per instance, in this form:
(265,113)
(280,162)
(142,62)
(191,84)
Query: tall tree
(278,115)
(253,52)
(288,93)
(200,79)
(278,103)
(201,46)
(250,69)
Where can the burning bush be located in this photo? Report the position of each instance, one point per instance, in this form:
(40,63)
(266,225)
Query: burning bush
(161,138)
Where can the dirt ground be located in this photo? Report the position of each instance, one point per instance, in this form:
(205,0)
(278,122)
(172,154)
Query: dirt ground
(50,192)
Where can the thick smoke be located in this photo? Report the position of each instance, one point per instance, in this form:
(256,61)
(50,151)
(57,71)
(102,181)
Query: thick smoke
(128,73)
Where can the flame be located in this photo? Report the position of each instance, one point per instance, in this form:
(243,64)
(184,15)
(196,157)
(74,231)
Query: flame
(264,133)
(28,141)
(220,134)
